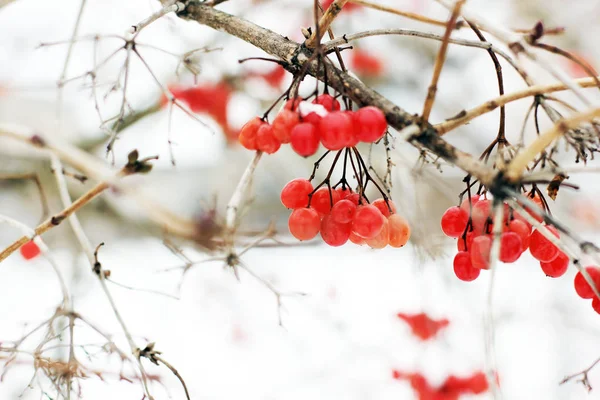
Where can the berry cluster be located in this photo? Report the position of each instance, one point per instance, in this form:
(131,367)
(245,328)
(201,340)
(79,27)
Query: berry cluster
(472,224)
(341,215)
(306,130)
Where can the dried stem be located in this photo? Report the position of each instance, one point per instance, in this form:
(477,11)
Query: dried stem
(324,23)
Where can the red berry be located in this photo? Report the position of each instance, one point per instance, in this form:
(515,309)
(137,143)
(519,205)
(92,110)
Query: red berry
(266,140)
(523,230)
(368,221)
(295,193)
(334,234)
(343,211)
(371,124)
(465,203)
(336,130)
(464,244)
(382,239)
(454,221)
(463,268)
(247,137)
(354,238)
(382,206)
(538,201)
(344,192)
(29,250)
(305,139)
(292,104)
(283,124)
(327,101)
(399,231)
(510,247)
(541,248)
(480,214)
(312,118)
(556,267)
(304,223)
(323,200)
(480,252)
(353,197)
(596,305)
(583,289)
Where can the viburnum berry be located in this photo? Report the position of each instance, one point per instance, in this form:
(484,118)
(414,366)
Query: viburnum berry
(292,104)
(464,244)
(304,223)
(323,200)
(510,247)
(354,197)
(480,214)
(556,267)
(463,268)
(305,139)
(295,193)
(344,191)
(382,239)
(336,130)
(327,101)
(247,136)
(354,238)
(368,221)
(333,233)
(583,289)
(29,250)
(382,205)
(454,221)
(371,124)
(596,304)
(541,248)
(465,203)
(399,231)
(312,118)
(283,124)
(523,230)
(266,140)
(343,211)
(480,252)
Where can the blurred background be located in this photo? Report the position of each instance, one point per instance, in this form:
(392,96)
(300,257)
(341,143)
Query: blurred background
(341,339)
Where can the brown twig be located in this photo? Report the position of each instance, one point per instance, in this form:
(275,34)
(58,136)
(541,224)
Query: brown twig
(324,23)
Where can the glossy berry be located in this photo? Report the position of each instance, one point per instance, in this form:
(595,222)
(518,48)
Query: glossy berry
(295,193)
(283,124)
(266,140)
(399,231)
(480,252)
(305,139)
(510,247)
(343,211)
(454,221)
(344,191)
(334,234)
(371,124)
(354,238)
(368,221)
(465,203)
(382,238)
(336,130)
(382,206)
(247,137)
(523,230)
(292,104)
(480,214)
(312,118)
(463,268)
(304,223)
(29,250)
(327,101)
(583,289)
(464,244)
(541,248)
(323,200)
(556,267)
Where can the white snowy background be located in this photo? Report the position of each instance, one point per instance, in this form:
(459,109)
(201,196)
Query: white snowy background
(342,339)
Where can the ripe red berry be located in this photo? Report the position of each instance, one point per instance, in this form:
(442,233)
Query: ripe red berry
(382,206)
(29,250)
(382,239)
(323,200)
(480,252)
(266,140)
(334,234)
(583,289)
(295,193)
(343,211)
(312,118)
(368,221)
(399,230)
(541,248)
(327,101)
(344,192)
(354,238)
(465,203)
(596,305)
(510,247)
(480,214)
(247,137)
(305,139)
(523,230)
(292,104)
(463,268)
(304,223)
(556,267)
(454,221)
(464,244)
(371,124)
(336,130)
(283,124)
